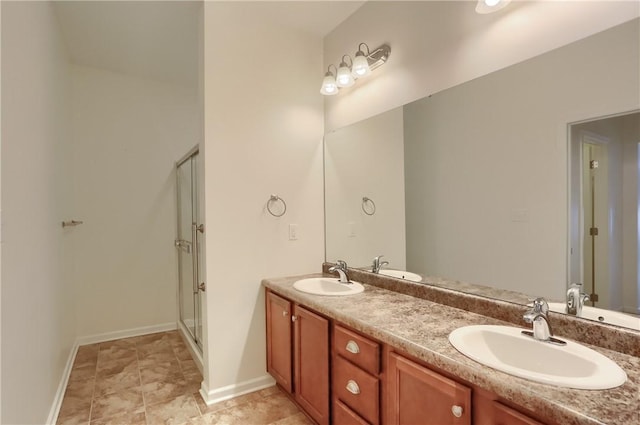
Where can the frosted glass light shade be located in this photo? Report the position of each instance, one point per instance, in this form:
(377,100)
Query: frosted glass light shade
(329,86)
(344,77)
(360,66)
(489,6)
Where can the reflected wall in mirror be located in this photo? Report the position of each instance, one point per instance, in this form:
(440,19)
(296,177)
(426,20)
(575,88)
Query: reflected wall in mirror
(604,210)
(470,183)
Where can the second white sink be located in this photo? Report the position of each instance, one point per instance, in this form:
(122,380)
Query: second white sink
(601,315)
(506,349)
(327,286)
(401,274)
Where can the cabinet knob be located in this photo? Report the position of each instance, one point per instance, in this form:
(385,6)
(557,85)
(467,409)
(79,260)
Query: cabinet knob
(352,347)
(457,411)
(353,387)
(294,318)
(284,313)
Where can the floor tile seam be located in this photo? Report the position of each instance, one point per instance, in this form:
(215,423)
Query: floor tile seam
(144,401)
(93,392)
(195,402)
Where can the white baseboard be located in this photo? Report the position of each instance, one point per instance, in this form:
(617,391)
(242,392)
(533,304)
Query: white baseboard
(57,400)
(127,333)
(230,391)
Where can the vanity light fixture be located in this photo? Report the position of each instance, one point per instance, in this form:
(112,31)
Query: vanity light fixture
(329,85)
(361,66)
(489,6)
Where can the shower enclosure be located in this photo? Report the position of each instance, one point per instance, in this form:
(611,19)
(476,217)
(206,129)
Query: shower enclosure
(189,232)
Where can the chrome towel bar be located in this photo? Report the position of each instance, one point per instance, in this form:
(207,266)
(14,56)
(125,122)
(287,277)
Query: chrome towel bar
(71,223)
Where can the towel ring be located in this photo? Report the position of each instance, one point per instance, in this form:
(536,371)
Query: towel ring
(275,198)
(371,210)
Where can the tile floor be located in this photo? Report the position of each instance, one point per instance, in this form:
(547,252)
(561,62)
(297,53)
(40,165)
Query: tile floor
(152,380)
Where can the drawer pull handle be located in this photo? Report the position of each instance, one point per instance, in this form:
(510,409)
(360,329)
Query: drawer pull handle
(352,387)
(352,347)
(457,411)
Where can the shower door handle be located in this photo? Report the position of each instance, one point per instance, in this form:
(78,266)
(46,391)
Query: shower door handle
(194,256)
(184,245)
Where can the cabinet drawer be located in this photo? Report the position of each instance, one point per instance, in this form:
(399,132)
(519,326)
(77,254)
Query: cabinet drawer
(357,389)
(357,349)
(342,415)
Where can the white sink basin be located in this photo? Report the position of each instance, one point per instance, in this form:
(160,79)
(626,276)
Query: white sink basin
(506,349)
(327,286)
(401,274)
(601,315)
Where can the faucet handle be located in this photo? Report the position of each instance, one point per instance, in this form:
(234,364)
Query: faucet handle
(342,264)
(540,306)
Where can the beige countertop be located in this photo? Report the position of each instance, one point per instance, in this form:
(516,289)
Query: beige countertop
(421,328)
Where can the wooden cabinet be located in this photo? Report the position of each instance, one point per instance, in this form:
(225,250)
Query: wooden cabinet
(488,410)
(371,384)
(311,360)
(298,354)
(356,382)
(279,341)
(504,415)
(418,395)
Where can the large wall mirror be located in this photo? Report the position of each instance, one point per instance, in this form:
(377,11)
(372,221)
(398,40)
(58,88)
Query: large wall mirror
(490,182)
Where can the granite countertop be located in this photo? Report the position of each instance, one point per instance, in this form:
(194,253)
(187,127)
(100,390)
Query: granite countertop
(421,328)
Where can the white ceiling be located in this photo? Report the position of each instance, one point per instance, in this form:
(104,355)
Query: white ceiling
(159,39)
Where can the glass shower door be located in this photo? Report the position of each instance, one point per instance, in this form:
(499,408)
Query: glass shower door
(188,246)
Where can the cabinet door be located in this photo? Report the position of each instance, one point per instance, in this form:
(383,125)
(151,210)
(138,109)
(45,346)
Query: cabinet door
(279,340)
(312,364)
(417,395)
(504,415)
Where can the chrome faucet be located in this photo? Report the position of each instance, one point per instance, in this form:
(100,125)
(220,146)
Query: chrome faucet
(341,268)
(541,326)
(377,264)
(576,299)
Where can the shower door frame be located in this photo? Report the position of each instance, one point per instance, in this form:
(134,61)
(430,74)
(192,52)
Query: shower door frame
(195,245)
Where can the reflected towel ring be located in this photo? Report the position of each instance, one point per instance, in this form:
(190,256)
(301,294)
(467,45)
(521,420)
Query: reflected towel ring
(372,209)
(275,198)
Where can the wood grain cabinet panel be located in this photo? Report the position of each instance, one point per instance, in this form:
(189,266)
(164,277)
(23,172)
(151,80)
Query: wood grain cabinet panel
(418,395)
(342,415)
(357,389)
(279,341)
(357,349)
(311,364)
(503,415)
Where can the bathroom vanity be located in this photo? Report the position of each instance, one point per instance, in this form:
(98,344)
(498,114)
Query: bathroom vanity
(383,357)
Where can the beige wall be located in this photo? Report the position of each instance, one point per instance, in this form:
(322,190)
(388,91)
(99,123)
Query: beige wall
(127,134)
(366,159)
(263,136)
(38,316)
(437,45)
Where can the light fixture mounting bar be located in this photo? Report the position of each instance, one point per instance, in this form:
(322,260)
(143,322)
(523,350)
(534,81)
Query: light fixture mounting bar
(379,56)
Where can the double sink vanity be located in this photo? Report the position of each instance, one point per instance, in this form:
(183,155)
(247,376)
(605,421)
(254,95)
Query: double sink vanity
(392,351)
